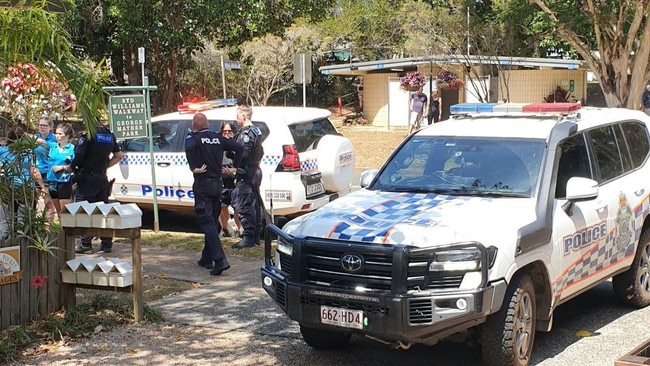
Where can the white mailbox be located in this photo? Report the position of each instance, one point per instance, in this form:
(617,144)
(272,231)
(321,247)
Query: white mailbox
(68,215)
(121,275)
(124,216)
(69,270)
(85,271)
(98,216)
(101,271)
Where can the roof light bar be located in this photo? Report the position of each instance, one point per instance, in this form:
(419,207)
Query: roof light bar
(465,108)
(193,107)
(552,107)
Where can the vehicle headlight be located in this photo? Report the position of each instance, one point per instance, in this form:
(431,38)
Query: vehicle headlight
(456,260)
(284,247)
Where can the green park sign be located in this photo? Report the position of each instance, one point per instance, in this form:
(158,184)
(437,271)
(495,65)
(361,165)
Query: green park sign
(128,116)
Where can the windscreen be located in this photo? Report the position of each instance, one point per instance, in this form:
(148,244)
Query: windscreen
(464,166)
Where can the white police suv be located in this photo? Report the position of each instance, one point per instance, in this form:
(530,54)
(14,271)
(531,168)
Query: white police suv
(306,162)
(480,226)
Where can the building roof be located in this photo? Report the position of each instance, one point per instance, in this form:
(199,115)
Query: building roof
(398,64)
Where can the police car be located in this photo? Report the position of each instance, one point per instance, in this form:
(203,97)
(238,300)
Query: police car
(306,162)
(479,226)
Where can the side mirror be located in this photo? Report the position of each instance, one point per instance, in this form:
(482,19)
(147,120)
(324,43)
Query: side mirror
(367,176)
(581,189)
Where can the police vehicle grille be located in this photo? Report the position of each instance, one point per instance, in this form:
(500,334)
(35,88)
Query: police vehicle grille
(323,267)
(280,293)
(285,263)
(420,311)
(367,308)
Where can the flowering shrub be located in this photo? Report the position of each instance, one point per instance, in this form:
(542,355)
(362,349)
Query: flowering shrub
(412,81)
(449,80)
(28,94)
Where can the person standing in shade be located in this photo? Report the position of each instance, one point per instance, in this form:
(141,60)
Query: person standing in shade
(58,175)
(42,163)
(204,151)
(645,99)
(228,131)
(435,107)
(417,106)
(93,155)
(245,196)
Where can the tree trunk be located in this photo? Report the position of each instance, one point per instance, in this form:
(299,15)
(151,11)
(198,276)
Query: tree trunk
(169,85)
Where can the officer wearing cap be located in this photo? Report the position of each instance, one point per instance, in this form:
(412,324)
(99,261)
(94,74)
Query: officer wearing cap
(93,155)
(204,151)
(245,196)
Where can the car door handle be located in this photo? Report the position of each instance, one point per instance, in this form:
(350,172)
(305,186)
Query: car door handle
(163,164)
(640,192)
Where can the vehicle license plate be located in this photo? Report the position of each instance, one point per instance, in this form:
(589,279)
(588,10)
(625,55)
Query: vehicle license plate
(313,189)
(341,317)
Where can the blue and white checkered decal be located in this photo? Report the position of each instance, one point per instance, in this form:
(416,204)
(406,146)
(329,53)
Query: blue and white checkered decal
(601,255)
(177,159)
(378,222)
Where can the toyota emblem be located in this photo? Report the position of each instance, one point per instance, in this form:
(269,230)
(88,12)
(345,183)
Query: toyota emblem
(351,262)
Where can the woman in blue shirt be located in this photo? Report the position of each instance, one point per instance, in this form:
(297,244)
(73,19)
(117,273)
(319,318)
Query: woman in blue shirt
(59,174)
(45,133)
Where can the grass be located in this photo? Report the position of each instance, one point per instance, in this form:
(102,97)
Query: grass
(174,240)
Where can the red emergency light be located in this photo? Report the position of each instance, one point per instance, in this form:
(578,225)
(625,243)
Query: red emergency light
(563,107)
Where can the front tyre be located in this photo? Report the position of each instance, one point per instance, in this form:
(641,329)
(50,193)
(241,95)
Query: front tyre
(324,339)
(632,287)
(508,335)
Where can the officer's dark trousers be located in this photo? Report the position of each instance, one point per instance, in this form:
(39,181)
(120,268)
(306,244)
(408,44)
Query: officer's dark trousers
(93,188)
(207,205)
(244,200)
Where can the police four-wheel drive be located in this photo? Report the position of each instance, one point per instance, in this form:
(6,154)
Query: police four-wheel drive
(479,226)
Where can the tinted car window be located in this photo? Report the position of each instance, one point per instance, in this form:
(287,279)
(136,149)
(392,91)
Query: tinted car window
(574,162)
(164,138)
(636,136)
(463,166)
(607,153)
(306,134)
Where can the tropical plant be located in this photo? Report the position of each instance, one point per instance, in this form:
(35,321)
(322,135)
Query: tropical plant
(31,34)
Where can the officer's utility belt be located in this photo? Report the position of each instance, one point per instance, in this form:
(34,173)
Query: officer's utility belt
(206,177)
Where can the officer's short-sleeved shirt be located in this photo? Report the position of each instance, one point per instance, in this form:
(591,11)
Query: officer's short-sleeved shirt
(250,137)
(206,147)
(92,154)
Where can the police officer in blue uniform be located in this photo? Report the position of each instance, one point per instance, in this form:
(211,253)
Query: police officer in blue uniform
(93,155)
(245,196)
(204,150)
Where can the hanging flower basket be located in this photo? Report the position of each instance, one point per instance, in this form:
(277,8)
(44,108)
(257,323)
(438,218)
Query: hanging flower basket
(412,81)
(448,80)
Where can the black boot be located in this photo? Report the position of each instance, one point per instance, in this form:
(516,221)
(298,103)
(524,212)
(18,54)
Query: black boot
(220,266)
(246,242)
(205,264)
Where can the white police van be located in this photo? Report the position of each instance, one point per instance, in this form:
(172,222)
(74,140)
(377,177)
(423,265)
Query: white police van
(306,162)
(479,226)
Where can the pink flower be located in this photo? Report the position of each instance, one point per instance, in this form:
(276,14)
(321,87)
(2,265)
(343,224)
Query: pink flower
(39,281)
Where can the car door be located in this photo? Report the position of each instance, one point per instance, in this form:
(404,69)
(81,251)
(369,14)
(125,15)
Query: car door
(578,227)
(134,177)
